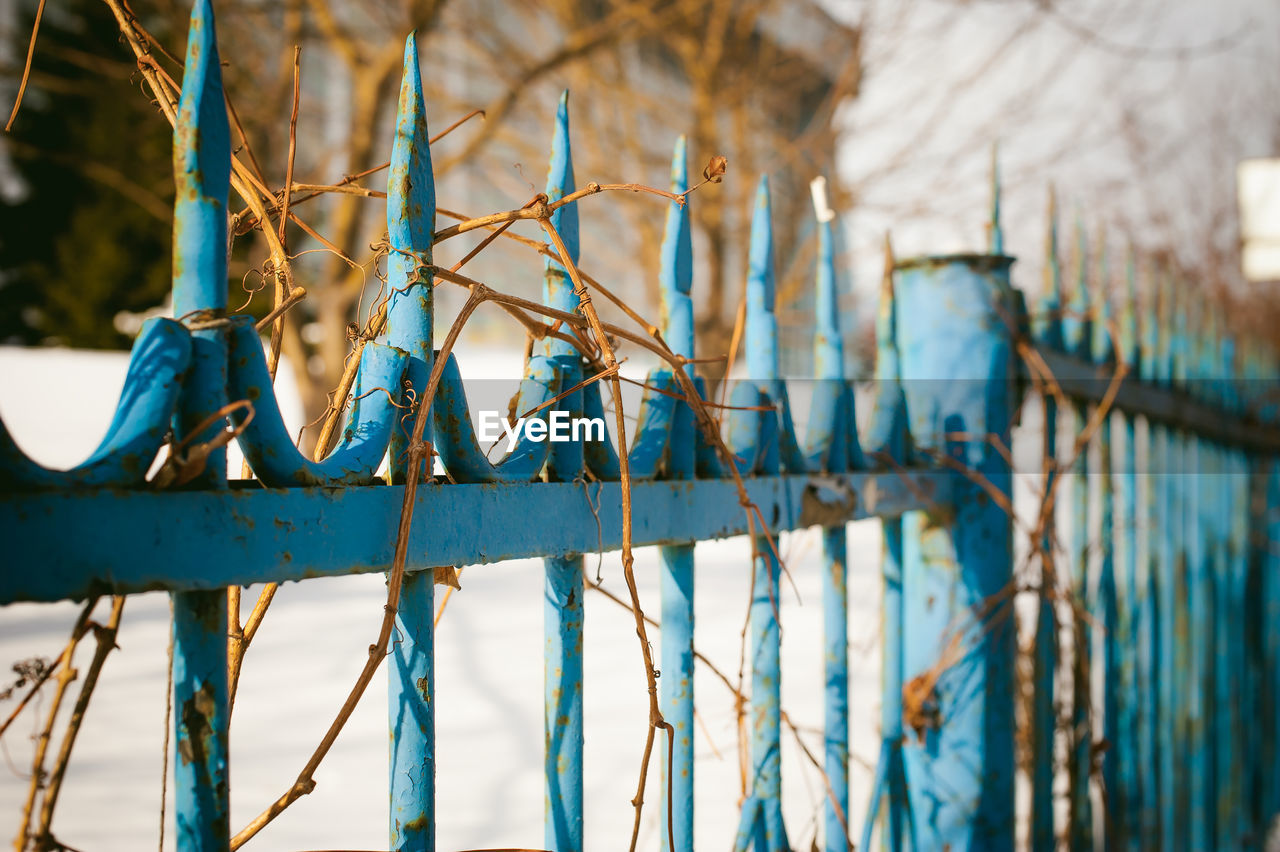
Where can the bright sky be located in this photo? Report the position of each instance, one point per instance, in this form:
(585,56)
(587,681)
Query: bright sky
(1138,111)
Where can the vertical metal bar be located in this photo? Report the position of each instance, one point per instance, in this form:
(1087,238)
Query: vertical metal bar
(676,685)
(959,652)
(1271,620)
(1080,757)
(1164,446)
(761,822)
(1256,764)
(1149,368)
(1223,675)
(411,705)
(1128,800)
(202,168)
(1199,635)
(677,692)
(890,444)
(1044,716)
(411,679)
(1104,612)
(563,625)
(829,362)
(891,702)
(1077,329)
(563,699)
(1215,481)
(1108,616)
(1238,573)
(1178,534)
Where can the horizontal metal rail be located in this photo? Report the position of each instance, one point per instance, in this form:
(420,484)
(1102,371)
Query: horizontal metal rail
(208,540)
(1081,380)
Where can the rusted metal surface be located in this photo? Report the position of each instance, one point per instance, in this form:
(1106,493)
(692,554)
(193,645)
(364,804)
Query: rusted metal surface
(1180,595)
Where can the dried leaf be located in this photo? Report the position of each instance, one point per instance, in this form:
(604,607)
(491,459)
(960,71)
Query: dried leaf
(716,168)
(447,575)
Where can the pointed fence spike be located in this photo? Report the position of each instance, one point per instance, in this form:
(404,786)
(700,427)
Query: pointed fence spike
(1103,351)
(886,320)
(1048,326)
(994,227)
(1129,343)
(1076,323)
(411,209)
(828,345)
(675,278)
(411,214)
(559,289)
(1179,350)
(762,324)
(202,172)
(1164,318)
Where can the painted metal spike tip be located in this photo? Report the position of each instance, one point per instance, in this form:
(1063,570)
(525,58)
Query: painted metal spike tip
(760,280)
(828,346)
(202,173)
(1076,322)
(202,137)
(560,181)
(411,191)
(996,232)
(887,320)
(1048,320)
(1101,348)
(762,325)
(676,275)
(411,210)
(1130,344)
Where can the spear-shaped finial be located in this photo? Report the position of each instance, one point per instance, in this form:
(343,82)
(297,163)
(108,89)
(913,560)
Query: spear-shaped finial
(676,275)
(996,231)
(762,325)
(202,174)
(1076,325)
(558,292)
(1048,324)
(828,346)
(1102,349)
(411,214)
(1129,343)
(887,320)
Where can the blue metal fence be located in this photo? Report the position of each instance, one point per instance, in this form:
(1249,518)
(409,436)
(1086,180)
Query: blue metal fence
(1179,604)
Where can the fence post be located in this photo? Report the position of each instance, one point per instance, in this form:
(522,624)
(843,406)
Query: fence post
(562,611)
(1048,334)
(1077,330)
(761,823)
(828,351)
(1132,592)
(202,169)
(411,680)
(676,684)
(889,443)
(954,331)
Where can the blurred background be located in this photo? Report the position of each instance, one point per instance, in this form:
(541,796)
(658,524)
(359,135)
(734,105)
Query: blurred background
(1138,111)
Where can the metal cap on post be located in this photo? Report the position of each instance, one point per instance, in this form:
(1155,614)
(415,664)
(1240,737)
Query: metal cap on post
(956,362)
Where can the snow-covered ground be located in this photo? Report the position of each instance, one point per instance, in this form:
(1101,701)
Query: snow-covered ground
(488,679)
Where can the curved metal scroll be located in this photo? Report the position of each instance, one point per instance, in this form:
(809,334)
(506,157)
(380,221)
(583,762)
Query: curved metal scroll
(266,442)
(160,356)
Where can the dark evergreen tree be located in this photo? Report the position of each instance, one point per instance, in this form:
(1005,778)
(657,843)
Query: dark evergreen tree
(89,234)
